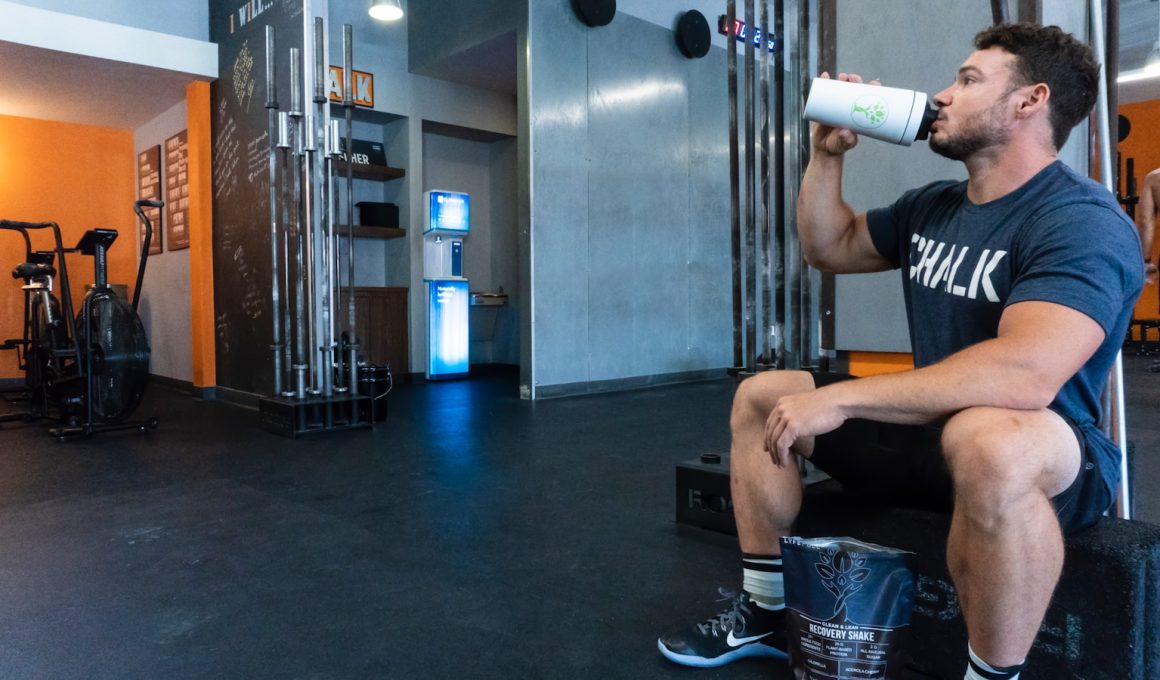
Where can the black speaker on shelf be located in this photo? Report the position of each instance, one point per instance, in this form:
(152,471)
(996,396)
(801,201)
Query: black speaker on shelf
(693,34)
(595,12)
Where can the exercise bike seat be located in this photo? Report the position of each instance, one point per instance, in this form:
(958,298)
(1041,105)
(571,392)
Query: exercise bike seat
(96,238)
(32,270)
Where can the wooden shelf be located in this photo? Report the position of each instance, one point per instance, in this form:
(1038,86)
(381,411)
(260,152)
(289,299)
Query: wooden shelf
(376,172)
(372,232)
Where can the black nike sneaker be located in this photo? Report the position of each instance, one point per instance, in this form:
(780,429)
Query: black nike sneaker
(741,631)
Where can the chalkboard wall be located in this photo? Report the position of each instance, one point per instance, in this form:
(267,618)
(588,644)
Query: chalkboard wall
(241,206)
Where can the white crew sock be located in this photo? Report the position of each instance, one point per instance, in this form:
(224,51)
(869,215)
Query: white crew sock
(977,669)
(761,578)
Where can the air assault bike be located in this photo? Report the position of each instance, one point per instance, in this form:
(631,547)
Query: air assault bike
(86,371)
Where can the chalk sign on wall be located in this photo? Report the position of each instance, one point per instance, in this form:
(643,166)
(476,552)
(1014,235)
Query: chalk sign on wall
(241,172)
(177,190)
(149,189)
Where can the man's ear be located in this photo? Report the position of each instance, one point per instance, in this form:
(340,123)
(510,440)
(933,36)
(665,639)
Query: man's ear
(1032,100)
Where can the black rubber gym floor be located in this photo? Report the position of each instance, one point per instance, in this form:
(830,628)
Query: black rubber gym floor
(470,535)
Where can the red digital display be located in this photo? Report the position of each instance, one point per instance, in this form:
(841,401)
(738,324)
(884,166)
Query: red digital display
(741,30)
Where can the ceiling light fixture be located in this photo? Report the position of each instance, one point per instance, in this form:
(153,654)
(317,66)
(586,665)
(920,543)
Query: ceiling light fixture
(385,10)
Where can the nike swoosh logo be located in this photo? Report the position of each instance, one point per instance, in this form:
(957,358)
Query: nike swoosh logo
(737,642)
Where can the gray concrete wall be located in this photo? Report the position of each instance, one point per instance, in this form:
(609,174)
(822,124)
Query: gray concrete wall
(890,41)
(452,26)
(628,227)
(165,305)
(175,17)
(383,49)
(505,269)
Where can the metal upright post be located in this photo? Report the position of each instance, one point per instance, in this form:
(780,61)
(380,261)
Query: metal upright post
(300,339)
(734,179)
(826,20)
(806,323)
(348,107)
(766,317)
(285,149)
(1115,422)
(780,223)
(1000,13)
(324,372)
(272,123)
(750,196)
(309,224)
(333,137)
(794,166)
(1111,59)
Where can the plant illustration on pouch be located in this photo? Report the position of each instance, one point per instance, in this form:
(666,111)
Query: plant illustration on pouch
(842,575)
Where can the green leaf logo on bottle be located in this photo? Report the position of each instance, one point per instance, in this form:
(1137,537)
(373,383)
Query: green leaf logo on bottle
(869,111)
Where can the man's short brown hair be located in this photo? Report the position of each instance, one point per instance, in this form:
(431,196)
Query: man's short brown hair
(1047,54)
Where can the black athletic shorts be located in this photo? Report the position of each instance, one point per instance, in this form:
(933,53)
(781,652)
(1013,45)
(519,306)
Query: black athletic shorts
(903,465)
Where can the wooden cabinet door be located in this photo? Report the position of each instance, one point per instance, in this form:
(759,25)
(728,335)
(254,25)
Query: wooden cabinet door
(381,317)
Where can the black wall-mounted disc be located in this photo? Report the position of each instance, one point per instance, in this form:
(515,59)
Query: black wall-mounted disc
(693,35)
(595,12)
(1125,127)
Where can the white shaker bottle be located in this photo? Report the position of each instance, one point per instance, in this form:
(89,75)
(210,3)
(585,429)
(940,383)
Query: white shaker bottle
(888,113)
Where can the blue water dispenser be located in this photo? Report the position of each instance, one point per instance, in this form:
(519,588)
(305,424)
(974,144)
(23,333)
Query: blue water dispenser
(446,222)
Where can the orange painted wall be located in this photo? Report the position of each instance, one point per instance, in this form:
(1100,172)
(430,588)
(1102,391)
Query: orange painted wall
(76,175)
(197,113)
(1143,144)
(863,364)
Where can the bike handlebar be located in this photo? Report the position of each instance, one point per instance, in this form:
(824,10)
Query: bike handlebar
(13,224)
(138,207)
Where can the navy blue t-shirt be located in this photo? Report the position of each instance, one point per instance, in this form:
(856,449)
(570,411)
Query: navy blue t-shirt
(1059,238)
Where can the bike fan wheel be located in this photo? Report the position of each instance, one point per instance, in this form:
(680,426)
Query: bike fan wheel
(120,356)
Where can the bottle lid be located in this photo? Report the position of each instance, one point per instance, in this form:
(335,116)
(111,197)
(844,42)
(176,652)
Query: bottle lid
(928,118)
(914,125)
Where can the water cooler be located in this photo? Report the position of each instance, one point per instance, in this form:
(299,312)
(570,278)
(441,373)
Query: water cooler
(447,221)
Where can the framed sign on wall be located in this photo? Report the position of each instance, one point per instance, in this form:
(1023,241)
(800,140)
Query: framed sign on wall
(149,189)
(177,191)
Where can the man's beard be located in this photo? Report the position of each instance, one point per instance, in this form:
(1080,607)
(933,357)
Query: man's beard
(977,135)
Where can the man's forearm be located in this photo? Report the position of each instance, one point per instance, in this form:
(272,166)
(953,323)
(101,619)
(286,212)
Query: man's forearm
(1147,227)
(986,374)
(1146,218)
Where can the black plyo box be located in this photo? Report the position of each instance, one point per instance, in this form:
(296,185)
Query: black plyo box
(704,499)
(1104,619)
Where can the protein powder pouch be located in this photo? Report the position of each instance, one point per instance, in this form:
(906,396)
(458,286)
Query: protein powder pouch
(848,608)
